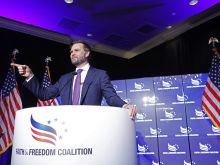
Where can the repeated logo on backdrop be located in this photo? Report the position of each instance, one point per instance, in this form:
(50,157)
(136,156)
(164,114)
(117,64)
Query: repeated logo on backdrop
(170,116)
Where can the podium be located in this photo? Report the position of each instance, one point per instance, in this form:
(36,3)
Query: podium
(74,135)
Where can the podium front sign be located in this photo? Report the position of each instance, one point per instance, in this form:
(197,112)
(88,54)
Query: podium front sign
(83,135)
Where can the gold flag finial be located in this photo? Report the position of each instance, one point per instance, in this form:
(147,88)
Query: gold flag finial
(14,53)
(48,59)
(213,41)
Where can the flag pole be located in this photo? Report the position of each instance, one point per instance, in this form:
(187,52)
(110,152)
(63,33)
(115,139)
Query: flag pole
(13,59)
(215,50)
(8,90)
(213,41)
(47,60)
(211,98)
(46,82)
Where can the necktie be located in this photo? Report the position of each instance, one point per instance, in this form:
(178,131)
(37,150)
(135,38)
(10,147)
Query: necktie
(76,89)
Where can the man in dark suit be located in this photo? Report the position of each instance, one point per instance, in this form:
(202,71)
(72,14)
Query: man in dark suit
(93,83)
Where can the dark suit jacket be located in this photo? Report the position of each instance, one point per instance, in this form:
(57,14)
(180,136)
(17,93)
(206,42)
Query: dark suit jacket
(96,86)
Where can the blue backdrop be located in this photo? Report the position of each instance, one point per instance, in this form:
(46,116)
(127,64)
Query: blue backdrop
(171,126)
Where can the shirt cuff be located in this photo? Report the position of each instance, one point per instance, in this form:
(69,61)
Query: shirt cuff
(125,106)
(29,78)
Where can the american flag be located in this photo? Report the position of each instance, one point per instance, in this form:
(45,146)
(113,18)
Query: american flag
(45,83)
(10,102)
(211,95)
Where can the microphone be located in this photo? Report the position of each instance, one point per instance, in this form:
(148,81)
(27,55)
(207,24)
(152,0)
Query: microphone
(73,74)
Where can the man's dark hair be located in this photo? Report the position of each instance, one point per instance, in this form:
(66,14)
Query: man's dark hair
(87,47)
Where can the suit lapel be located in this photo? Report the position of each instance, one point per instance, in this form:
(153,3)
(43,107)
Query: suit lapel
(70,86)
(88,80)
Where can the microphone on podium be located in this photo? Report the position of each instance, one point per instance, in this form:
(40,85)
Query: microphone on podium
(73,74)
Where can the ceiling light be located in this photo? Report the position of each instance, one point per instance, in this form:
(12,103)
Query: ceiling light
(89,34)
(193,2)
(169,27)
(173,13)
(68,1)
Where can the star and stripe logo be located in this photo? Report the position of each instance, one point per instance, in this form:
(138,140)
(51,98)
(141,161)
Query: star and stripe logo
(42,132)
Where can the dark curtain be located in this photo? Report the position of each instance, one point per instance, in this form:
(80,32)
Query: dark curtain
(185,54)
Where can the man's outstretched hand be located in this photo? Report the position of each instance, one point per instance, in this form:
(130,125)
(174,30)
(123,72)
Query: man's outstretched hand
(23,70)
